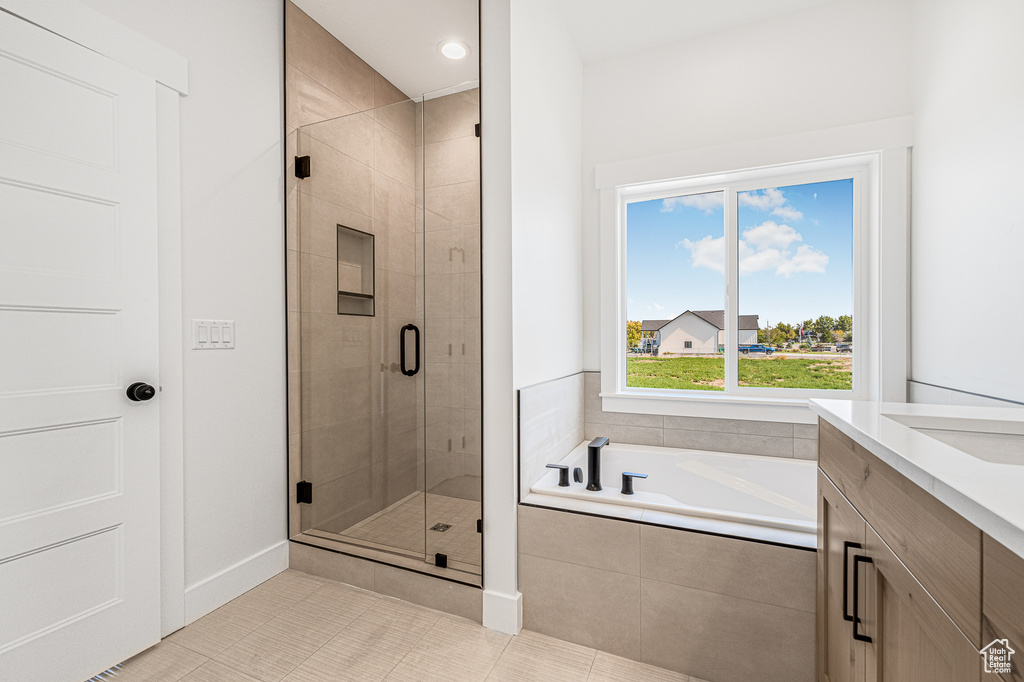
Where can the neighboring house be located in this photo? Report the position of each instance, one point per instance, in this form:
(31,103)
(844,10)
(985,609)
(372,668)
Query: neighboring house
(698,331)
(649,328)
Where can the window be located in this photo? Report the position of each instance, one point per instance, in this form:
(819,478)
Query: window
(745,263)
(786,249)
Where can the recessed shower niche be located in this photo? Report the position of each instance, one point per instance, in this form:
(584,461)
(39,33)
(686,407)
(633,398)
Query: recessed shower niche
(355,272)
(384,325)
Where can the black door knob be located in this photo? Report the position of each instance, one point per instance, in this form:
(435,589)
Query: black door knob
(140,391)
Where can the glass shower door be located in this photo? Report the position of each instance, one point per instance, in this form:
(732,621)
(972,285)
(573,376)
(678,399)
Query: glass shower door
(389,287)
(361,330)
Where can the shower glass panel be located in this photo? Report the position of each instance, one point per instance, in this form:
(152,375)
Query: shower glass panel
(451,312)
(389,287)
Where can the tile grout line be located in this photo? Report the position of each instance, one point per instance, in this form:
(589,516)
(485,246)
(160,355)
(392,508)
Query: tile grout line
(329,640)
(412,648)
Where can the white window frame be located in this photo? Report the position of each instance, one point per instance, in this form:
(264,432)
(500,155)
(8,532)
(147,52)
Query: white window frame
(881,213)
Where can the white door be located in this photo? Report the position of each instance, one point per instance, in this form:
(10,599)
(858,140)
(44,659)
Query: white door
(79,461)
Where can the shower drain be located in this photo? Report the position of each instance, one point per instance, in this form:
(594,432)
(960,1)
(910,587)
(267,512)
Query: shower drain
(441,527)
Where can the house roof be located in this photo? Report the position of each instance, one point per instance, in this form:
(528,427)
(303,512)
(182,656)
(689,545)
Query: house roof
(716,318)
(653,325)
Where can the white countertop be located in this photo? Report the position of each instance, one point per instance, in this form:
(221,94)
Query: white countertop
(988,494)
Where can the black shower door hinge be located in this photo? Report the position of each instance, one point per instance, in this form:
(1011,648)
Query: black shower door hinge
(476,130)
(304,492)
(479,525)
(302,167)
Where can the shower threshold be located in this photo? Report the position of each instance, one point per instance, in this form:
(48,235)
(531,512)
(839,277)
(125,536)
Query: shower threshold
(397,534)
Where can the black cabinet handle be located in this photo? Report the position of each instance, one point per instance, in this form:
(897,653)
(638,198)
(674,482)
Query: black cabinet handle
(857,561)
(416,342)
(846,582)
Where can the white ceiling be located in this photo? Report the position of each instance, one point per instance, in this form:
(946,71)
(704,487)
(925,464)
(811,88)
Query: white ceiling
(399,38)
(611,28)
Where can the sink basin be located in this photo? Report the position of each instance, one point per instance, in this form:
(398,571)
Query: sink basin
(991,440)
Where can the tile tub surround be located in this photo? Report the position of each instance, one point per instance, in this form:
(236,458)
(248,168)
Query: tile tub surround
(550,426)
(745,437)
(718,608)
(299,628)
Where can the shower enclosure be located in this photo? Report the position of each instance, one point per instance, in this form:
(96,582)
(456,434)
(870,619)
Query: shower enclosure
(389,296)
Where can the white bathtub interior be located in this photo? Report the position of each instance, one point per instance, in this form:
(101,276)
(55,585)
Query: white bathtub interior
(762,498)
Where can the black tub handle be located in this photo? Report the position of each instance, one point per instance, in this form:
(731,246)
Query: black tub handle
(416,342)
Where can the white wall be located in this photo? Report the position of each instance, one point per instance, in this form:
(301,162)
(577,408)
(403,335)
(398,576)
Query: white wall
(967,235)
(827,66)
(546,211)
(233,268)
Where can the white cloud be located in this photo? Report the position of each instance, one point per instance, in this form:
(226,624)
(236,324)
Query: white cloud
(656,307)
(763,248)
(770,235)
(787,213)
(806,259)
(771,199)
(763,199)
(704,202)
(708,252)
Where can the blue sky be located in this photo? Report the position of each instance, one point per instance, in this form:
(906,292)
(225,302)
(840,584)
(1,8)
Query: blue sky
(796,253)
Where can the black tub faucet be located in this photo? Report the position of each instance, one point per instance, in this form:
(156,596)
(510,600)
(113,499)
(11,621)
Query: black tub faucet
(594,462)
(563,474)
(627,481)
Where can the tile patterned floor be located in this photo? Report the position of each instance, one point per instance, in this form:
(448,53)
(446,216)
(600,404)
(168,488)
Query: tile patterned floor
(299,628)
(402,526)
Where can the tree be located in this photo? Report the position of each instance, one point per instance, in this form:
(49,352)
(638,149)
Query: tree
(632,333)
(823,327)
(838,335)
(844,323)
(785,331)
(764,336)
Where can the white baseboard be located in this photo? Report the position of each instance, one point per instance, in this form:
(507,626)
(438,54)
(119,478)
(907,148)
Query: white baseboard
(503,612)
(219,589)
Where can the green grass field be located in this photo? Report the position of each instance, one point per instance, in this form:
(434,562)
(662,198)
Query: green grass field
(708,373)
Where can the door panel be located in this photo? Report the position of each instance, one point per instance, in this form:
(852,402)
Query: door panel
(840,657)
(79,488)
(914,640)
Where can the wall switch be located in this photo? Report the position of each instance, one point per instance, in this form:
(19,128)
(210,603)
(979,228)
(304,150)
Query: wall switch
(213,334)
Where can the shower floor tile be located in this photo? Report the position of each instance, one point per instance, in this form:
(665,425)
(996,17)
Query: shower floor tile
(405,526)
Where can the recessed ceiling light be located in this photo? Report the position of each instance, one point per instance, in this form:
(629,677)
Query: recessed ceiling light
(453,49)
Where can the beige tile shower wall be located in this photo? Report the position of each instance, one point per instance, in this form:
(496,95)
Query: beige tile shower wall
(713,607)
(451,174)
(550,426)
(352,426)
(775,439)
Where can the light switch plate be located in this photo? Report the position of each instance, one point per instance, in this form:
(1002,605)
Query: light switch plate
(213,334)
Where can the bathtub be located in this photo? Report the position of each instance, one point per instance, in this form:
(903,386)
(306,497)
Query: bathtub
(771,499)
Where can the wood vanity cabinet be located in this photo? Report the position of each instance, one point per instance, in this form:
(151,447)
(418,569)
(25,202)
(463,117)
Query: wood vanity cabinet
(902,633)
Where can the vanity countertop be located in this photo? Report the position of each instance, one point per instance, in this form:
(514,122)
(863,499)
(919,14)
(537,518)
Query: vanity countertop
(988,494)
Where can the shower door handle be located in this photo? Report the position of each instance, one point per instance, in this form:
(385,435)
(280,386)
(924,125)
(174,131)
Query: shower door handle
(416,342)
